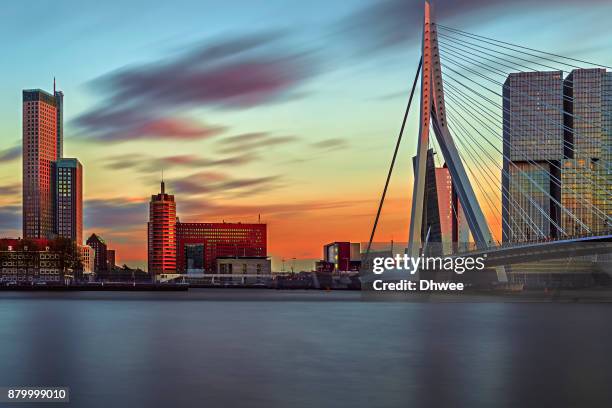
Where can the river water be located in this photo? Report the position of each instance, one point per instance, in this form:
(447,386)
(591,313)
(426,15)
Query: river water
(265,348)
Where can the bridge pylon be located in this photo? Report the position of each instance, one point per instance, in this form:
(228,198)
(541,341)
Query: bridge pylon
(433,112)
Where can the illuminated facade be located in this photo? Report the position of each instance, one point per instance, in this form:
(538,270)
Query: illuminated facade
(39,154)
(344,256)
(198,245)
(88,257)
(586,174)
(69,199)
(161,233)
(30,261)
(527,216)
(533,149)
(557,150)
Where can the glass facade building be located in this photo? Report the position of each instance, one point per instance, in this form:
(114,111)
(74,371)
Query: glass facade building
(532,147)
(586,168)
(557,137)
(69,199)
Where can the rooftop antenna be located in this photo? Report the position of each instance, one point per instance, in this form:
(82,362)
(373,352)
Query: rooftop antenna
(53,85)
(163,186)
(259,218)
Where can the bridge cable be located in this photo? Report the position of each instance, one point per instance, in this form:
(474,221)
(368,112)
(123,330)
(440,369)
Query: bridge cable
(555,179)
(492,92)
(483,38)
(397,145)
(530,223)
(527,176)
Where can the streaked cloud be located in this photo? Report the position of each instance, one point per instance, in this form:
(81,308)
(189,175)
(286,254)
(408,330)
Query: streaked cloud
(195,208)
(10,218)
(250,142)
(142,101)
(10,154)
(117,125)
(330,144)
(10,189)
(146,164)
(209,182)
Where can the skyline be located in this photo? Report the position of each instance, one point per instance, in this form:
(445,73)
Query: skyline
(272,126)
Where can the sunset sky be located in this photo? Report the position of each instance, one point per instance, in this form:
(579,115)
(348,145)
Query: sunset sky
(281,108)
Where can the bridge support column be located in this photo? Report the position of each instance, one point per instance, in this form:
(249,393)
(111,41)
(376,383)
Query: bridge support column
(433,109)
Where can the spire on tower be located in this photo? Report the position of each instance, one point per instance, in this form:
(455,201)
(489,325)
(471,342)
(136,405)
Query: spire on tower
(163,185)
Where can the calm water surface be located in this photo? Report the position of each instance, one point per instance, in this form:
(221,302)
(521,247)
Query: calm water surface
(261,348)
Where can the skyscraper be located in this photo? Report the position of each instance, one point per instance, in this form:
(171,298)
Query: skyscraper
(586,175)
(557,139)
(69,199)
(161,233)
(40,119)
(533,148)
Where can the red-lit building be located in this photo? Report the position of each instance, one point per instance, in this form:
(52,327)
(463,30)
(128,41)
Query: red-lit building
(40,140)
(161,233)
(344,256)
(200,244)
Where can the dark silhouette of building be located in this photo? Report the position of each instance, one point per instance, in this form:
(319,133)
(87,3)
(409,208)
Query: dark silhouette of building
(100,248)
(110,259)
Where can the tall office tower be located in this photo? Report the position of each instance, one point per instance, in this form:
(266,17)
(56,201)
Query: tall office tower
(161,233)
(39,155)
(444,226)
(69,199)
(532,150)
(585,173)
(99,246)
